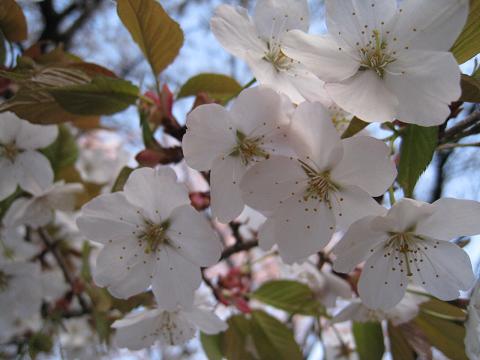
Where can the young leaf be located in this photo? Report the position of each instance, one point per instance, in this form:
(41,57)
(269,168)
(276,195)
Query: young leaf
(273,340)
(369,340)
(102,96)
(470,89)
(158,36)
(217,86)
(355,126)
(290,296)
(64,150)
(13,24)
(212,346)
(418,147)
(237,342)
(399,346)
(468,43)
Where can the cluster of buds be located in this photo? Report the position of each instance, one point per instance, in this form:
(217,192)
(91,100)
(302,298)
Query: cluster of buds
(234,287)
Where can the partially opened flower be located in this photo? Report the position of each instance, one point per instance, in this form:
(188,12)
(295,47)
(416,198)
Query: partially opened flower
(229,142)
(327,187)
(258,41)
(143,329)
(472,337)
(381,62)
(152,236)
(410,244)
(20,163)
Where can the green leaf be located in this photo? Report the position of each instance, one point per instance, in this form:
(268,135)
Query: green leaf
(439,308)
(446,336)
(13,23)
(158,36)
(355,126)
(122,179)
(63,151)
(212,346)
(369,340)
(291,296)
(217,86)
(418,146)
(470,89)
(399,346)
(3,49)
(102,96)
(468,43)
(273,340)
(39,343)
(237,342)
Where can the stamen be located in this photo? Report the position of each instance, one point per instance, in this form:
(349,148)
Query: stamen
(10,151)
(376,57)
(154,235)
(4,281)
(320,186)
(248,149)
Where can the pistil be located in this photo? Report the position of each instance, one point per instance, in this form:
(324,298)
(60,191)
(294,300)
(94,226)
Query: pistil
(248,149)
(376,58)
(154,235)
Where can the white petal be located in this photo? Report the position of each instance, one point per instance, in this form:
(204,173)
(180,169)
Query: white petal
(366,163)
(34,212)
(269,182)
(425,84)
(382,285)
(175,280)
(193,237)
(34,172)
(301,228)
(156,192)
(258,111)
(356,245)
(309,85)
(351,21)
(31,137)
(437,23)
(124,268)
(227,203)
(355,311)
(314,137)
(207,321)
(137,331)
(366,96)
(63,196)
(8,180)
(234,29)
(351,203)
(10,125)
(109,217)
(210,133)
(272,18)
(404,215)
(322,55)
(445,270)
(451,218)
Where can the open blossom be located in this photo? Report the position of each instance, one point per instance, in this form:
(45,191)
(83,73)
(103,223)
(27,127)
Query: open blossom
(229,142)
(258,41)
(329,184)
(381,62)
(410,244)
(143,329)
(20,163)
(472,337)
(152,236)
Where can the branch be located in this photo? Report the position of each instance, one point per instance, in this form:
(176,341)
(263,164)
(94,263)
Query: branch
(457,131)
(238,247)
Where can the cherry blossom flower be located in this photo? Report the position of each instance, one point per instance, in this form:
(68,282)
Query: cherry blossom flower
(152,236)
(20,163)
(20,294)
(142,329)
(97,167)
(229,142)
(410,242)
(381,62)
(258,41)
(328,186)
(403,312)
(472,338)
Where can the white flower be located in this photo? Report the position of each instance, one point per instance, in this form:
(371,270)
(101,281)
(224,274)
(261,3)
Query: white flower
(410,243)
(330,185)
(258,41)
(39,210)
(382,63)
(20,294)
(403,312)
(152,236)
(13,246)
(229,142)
(142,329)
(20,164)
(472,338)
(95,166)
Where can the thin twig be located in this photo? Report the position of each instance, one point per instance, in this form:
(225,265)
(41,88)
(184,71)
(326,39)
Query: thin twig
(238,247)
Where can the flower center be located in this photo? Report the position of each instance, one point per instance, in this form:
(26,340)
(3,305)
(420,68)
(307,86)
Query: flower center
(277,58)
(10,151)
(320,186)
(407,249)
(154,235)
(4,281)
(375,56)
(248,149)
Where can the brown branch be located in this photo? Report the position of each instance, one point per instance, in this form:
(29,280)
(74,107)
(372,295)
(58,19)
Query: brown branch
(238,247)
(466,127)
